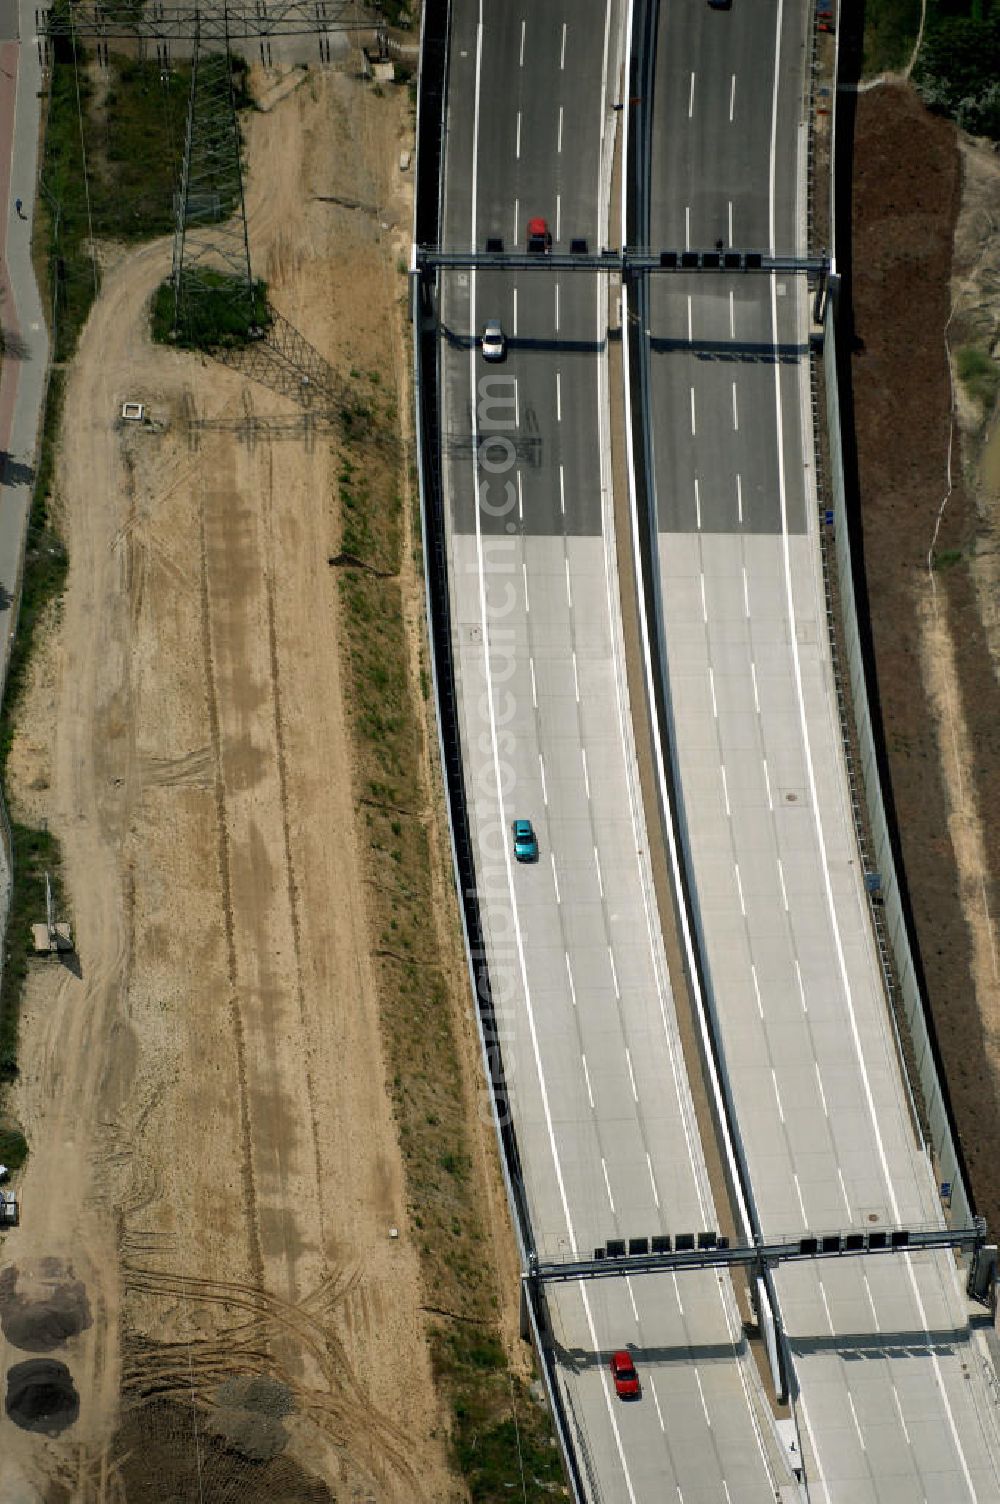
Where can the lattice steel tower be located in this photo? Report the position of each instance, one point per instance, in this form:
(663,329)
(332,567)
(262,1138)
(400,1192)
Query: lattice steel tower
(211,246)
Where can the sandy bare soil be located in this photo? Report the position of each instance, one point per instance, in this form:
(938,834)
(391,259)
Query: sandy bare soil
(215,1170)
(925,280)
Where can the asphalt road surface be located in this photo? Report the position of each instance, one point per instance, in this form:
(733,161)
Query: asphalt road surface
(601,1102)
(894,1401)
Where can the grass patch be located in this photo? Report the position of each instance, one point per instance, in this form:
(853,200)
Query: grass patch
(979,374)
(13,1148)
(946,559)
(35,852)
(215,310)
(498,1427)
(891,29)
(131,135)
(499,1432)
(398,12)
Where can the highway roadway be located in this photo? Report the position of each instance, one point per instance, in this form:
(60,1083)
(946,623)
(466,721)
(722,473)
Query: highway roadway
(599,1094)
(894,1403)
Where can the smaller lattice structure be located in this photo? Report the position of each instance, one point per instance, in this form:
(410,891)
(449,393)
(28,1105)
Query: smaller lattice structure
(53,936)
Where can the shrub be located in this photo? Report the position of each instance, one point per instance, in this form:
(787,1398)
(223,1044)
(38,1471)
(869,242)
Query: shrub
(979,374)
(956,71)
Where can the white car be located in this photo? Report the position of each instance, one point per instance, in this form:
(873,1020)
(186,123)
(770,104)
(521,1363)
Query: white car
(494,341)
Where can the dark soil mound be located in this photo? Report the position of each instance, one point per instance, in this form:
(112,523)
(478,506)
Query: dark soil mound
(167,1451)
(257,1392)
(42,1304)
(256,1437)
(41,1396)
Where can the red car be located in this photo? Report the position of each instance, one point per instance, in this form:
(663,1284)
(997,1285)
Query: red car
(627,1386)
(539,235)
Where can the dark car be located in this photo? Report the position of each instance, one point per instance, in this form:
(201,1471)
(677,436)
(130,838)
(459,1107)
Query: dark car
(525,841)
(627,1386)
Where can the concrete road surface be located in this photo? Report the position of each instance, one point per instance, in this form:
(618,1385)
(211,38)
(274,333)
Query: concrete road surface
(895,1402)
(601,1102)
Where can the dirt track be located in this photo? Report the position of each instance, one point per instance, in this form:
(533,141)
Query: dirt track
(213,1150)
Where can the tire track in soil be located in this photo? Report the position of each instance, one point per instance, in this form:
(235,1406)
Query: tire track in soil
(254,1249)
(344,1411)
(291,886)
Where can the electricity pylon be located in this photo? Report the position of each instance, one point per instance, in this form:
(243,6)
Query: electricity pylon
(211,245)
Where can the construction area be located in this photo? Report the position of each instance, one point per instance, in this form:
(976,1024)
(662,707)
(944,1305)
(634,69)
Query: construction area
(256,1064)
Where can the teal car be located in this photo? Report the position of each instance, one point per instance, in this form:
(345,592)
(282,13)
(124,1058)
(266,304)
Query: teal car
(525,841)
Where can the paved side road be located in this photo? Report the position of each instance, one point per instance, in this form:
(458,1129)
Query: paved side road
(22,376)
(24,365)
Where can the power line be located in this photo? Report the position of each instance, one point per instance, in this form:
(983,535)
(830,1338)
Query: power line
(209,23)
